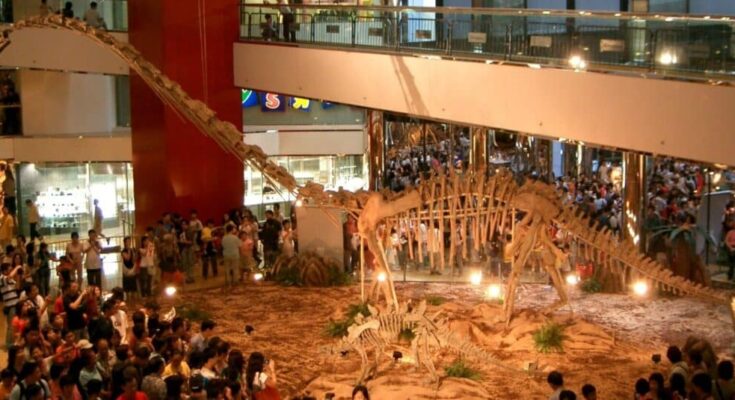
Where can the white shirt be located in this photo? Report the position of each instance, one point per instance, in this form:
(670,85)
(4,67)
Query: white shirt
(120,322)
(92,18)
(93,259)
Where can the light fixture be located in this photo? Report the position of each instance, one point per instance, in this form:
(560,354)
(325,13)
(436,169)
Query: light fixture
(299,203)
(476,278)
(382,277)
(534,66)
(494,291)
(577,62)
(572,279)
(640,288)
(170,291)
(668,58)
(258,277)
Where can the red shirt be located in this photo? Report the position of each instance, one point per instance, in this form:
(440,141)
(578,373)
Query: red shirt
(137,396)
(730,239)
(59,305)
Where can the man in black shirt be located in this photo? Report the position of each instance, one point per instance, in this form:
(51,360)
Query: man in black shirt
(74,308)
(270,235)
(102,327)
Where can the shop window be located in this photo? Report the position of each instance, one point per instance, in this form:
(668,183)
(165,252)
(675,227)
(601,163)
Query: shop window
(334,172)
(122,100)
(10,117)
(64,194)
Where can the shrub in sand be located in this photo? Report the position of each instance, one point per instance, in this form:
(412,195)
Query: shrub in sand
(549,338)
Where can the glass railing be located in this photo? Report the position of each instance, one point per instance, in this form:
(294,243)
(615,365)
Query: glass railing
(110,14)
(680,46)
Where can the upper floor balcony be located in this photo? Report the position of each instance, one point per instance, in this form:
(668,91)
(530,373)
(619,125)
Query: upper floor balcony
(110,14)
(661,45)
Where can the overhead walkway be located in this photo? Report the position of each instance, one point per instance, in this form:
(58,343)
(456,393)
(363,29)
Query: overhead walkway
(59,50)
(657,84)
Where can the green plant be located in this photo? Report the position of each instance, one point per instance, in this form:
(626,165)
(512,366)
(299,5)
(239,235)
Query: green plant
(354,309)
(591,285)
(288,277)
(550,337)
(459,369)
(406,335)
(192,312)
(338,278)
(435,300)
(337,328)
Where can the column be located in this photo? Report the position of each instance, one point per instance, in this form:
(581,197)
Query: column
(478,148)
(177,168)
(634,184)
(376,149)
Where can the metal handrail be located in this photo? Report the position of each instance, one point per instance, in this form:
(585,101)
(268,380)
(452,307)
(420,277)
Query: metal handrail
(525,12)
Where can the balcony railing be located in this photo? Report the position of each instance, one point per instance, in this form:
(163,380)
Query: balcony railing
(114,13)
(673,46)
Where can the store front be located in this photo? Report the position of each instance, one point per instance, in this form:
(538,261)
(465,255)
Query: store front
(65,192)
(314,140)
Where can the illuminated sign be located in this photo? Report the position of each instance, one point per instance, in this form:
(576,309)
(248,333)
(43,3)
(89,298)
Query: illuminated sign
(272,102)
(298,103)
(249,98)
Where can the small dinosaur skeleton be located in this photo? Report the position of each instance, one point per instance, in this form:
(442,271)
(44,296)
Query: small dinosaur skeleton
(471,204)
(383,331)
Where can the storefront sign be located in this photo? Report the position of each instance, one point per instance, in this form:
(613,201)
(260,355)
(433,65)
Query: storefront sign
(423,34)
(249,98)
(332,28)
(375,32)
(612,45)
(477,37)
(272,102)
(541,41)
(298,103)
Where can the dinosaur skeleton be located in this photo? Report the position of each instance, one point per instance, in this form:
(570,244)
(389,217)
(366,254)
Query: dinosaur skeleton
(381,331)
(471,204)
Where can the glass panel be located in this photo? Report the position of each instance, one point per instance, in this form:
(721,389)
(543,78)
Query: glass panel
(122,100)
(10,111)
(113,13)
(685,46)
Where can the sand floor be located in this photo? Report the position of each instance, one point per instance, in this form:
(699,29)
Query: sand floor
(611,339)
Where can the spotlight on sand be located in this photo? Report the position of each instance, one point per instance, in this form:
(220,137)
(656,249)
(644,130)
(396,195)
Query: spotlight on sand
(476,278)
(170,291)
(258,277)
(382,277)
(640,288)
(572,279)
(494,292)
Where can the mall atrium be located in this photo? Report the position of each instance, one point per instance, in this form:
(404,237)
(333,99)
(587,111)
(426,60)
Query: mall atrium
(352,199)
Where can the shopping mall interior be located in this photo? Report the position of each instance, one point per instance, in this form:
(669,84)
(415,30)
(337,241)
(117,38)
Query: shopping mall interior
(352,199)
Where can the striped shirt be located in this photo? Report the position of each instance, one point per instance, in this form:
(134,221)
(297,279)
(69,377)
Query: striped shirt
(8,291)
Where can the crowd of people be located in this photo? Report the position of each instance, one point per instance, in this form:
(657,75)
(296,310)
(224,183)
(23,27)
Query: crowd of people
(694,374)
(83,344)
(407,165)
